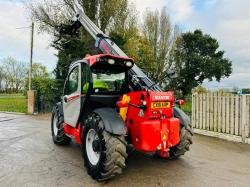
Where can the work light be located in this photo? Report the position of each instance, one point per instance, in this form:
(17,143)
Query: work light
(128,63)
(111,61)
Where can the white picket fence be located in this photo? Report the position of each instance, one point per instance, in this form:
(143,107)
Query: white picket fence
(222,115)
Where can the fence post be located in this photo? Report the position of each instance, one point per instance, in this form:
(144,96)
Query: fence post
(204,111)
(193,110)
(243,118)
(247,117)
(208,111)
(219,112)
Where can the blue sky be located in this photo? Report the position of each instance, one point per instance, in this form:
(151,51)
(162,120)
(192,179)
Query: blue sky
(226,20)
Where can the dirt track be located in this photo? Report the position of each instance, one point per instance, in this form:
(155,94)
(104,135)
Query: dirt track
(29,158)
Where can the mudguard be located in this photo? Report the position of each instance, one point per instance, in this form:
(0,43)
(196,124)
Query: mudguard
(182,116)
(112,121)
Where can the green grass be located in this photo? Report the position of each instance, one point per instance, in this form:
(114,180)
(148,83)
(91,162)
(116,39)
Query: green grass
(15,95)
(13,103)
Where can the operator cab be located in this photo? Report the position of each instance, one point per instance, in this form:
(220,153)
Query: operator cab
(94,82)
(108,80)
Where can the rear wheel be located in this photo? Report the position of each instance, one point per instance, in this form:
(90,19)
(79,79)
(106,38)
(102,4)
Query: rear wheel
(104,153)
(185,141)
(57,130)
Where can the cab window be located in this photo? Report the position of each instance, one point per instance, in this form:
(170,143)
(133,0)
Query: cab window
(72,82)
(85,78)
(107,81)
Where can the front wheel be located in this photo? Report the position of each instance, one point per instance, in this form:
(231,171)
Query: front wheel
(104,153)
(57,130)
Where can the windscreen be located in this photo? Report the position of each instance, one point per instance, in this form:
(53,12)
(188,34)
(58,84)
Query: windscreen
(107,81)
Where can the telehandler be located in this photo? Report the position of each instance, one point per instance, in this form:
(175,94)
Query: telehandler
(110,104)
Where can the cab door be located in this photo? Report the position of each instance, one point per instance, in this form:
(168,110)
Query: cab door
(72,96)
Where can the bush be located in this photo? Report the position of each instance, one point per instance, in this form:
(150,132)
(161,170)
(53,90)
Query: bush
(46,87)
(46,94)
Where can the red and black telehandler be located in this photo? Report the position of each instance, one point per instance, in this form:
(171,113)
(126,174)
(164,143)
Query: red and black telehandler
(110,104)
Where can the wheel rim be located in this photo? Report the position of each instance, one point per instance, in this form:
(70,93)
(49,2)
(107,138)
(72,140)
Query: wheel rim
(92,155)
(55,129)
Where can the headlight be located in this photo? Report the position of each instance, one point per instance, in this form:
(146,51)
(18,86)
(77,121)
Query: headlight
(128,63)
(111,61)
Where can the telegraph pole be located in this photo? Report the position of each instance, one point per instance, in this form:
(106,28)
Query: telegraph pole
(31,93)
(31,54)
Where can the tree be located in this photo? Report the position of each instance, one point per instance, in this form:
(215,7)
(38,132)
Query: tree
(1,77)
(45,86)
(196,57)
(246,90)
(15,73)
(199,89)
(126,33)
(156,43)
(39,70)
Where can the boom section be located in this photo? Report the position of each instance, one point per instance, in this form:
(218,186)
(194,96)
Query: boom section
(105,44)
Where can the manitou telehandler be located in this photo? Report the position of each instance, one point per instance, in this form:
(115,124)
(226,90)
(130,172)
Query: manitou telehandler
(110,104)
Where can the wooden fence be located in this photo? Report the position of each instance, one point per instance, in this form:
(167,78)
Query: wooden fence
(222,115)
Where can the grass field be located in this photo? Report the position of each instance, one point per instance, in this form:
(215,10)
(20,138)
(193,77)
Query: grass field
(13,103)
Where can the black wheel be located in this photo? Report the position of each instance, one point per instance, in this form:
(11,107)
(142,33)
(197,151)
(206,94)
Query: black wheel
(185,141)
(57,130)
(104,153)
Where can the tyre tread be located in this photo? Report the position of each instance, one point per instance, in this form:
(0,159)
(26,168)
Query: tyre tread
(184,144)
(114,152)
(60,138)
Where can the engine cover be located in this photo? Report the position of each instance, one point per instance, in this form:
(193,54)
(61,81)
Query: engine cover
(152,126)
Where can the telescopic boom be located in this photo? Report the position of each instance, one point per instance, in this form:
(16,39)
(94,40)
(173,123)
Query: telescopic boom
(107,46)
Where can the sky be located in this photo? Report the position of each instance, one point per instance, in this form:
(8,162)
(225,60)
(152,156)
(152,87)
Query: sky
(226,20)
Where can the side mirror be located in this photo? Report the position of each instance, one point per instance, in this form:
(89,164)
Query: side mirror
(181,101)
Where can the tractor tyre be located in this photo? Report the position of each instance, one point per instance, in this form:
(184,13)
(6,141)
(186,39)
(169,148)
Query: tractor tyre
(57,131)
(104,153)
(185,141)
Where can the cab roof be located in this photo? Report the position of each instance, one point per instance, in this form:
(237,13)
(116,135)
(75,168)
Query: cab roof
(93,59)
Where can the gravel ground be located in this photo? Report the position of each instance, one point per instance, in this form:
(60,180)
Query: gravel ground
(29,158)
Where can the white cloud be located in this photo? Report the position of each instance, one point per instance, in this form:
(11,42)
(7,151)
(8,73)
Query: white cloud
(181,9)
(16,42)
(242,80)
(142,5)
